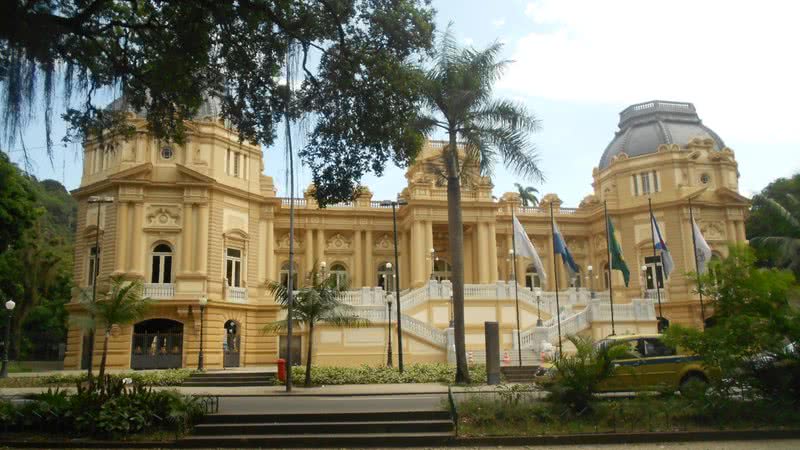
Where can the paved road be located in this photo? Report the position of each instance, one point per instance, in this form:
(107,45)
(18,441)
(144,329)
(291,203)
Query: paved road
(789,444)
(289,404)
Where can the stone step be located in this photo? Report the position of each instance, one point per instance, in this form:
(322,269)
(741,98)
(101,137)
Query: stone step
(232,374)
(315,428)
(233,418)
(343,440)
(227,383)
(224,378)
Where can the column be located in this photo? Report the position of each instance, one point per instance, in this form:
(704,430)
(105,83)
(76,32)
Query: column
(261,250)
(551,284)
(428,246)
(138,260)
(469,275)
(201,231)
(483,270)
(370,277)
(741,235)
(186,239)
(321,247)
(358,264)
(269,258)
(405,273)
(416,261)
(309,254)
(731,226)
(492,244)
(122,237)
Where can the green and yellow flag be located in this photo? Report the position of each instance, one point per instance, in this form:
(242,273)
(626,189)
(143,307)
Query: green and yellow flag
(617,261)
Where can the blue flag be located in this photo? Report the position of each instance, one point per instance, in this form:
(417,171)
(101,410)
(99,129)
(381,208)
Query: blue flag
(560,247)
(661,248)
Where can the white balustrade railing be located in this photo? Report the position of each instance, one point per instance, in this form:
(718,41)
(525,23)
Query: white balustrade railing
(159,290)
(236,294)
(410,324)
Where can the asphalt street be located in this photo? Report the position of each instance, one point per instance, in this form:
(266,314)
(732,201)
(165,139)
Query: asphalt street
(339,404)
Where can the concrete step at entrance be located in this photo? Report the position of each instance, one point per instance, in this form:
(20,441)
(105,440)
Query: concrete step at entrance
(230,379)
(327,417)
(519,374)
(338,440)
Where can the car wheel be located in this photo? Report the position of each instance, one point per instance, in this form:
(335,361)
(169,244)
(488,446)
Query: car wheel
(693,382)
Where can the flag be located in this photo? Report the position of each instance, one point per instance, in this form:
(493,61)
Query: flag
(701,249)
(560,247)
(524,247)
(661,247)
(617,261)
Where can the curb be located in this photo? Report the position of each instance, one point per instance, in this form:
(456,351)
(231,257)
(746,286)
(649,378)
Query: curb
(306,394)
(578,439)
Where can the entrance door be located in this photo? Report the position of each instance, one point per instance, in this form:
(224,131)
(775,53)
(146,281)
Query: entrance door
(231,345)
(157,344)
(86,355)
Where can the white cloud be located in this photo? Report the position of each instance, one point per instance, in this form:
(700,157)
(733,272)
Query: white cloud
(468,41)
(735,60)
(497,23)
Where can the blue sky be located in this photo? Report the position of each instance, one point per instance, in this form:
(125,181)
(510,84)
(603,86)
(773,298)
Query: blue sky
(579,63)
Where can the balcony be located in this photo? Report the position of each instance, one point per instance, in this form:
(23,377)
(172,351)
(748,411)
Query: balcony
(236,294)
(159,290)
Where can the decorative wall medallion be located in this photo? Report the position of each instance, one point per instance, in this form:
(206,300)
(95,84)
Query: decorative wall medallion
(384,242)
(338,242)
(713,231)
(163,216)
(283,242)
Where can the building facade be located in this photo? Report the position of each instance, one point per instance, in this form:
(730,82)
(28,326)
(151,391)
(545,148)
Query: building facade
(203,220)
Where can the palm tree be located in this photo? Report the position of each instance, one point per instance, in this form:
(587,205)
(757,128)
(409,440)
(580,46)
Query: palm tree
(527,195)
(122,304)
(788,245)
(458,92)
(320,301)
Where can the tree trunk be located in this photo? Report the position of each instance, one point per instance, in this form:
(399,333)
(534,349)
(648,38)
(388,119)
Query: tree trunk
(455,228)
(308,356)
(102,370)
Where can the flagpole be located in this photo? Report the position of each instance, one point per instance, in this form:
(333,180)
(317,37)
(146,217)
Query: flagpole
(555,272)
(610,268)
(516,284)
(655,271)
(697,266)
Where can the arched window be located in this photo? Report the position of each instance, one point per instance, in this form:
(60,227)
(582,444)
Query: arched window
(161,268)
(575,280)
(340,272)
(384,274)
(441,270)
(284,275)
(532,279)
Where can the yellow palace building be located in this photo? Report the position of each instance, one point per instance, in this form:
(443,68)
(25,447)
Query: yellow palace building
(202,220)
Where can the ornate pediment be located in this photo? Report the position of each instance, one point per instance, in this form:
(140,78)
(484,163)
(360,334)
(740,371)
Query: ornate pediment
(338,242)
(577,246)
(385,242)
(712,230)
(283,242)
(163,217)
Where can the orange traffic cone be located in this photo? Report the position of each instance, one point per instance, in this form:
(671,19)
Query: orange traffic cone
(506,358)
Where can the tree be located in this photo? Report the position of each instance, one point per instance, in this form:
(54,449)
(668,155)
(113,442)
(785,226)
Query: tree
(774,223)
(121,305)
(754,316)
(17,203)
(165,56)
(458,92)
(527,195)
(320,301)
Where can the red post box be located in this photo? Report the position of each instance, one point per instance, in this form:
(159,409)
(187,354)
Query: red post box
(282,369)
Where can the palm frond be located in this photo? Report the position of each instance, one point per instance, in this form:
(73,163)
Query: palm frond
(784,213)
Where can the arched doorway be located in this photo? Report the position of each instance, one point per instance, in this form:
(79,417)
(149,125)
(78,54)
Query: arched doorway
(157,344)
(231,344)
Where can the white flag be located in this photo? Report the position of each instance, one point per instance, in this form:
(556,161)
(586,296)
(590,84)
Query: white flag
(701,249)
(524,247)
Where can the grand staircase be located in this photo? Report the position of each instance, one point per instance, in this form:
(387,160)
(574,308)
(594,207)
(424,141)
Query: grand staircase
(314,430)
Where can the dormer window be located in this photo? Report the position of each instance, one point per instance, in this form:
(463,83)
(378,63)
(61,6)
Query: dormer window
(236,164)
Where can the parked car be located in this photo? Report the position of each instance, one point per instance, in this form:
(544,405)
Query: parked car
(648,364)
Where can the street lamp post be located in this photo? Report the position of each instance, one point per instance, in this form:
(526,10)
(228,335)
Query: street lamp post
(203,302)
(389,351)
(538,307)
(393,204)
(591,281)
(433,262)
(644,280)
(7,342)
(322,267)
(99,201)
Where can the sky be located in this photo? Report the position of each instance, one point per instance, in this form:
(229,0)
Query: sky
(578,63)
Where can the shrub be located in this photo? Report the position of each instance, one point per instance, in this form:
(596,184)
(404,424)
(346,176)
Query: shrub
(412,373)
(169,377)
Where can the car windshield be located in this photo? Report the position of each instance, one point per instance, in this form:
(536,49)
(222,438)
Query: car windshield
(603,343)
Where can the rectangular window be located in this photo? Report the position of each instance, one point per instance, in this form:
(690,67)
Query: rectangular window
(235,164)
(228,163)
(653,264)
(635,186)
(233,267)
(94,266)
(645,182)
(655,182)
(154,278)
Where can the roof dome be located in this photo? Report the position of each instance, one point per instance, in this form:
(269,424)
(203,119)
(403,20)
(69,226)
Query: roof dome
(645,126)
(210,108)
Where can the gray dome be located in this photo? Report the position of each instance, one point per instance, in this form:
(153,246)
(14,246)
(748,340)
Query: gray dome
(210,108)
(645,126)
